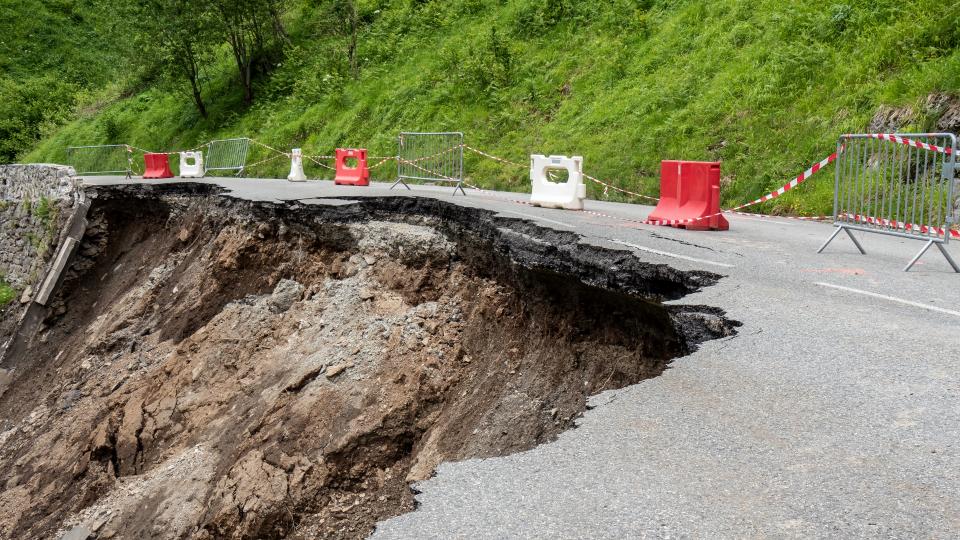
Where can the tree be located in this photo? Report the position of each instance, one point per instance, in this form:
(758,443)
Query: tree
(346,11)
(254,30)
(177,36)
(351,9)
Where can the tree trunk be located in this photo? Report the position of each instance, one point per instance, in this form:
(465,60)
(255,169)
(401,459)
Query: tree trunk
(353,40)
(198,99)
(193,74)
(248,84)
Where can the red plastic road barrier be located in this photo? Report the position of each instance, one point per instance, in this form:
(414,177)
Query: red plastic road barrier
(157,166)
(690,190)
(352,176)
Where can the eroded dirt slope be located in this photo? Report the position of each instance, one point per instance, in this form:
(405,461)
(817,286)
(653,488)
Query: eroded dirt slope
(220,369)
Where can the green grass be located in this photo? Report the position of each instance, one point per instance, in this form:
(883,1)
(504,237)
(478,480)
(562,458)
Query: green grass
(764,86)
(7,293)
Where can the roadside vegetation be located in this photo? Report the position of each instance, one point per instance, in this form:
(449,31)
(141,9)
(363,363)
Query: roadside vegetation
(764,86)
(7,293)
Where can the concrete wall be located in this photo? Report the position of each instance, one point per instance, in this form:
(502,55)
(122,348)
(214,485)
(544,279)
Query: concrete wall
(35,200)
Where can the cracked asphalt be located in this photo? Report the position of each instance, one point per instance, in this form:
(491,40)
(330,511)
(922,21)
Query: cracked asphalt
(835,412)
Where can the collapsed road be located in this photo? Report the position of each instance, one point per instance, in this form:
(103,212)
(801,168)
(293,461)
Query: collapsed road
(214,367)
(833,409)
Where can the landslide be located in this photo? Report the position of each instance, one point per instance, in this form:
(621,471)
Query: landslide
(218,368)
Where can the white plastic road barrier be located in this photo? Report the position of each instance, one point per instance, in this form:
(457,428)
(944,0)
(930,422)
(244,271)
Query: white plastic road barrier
(568,195)
(296,167)
(191,165)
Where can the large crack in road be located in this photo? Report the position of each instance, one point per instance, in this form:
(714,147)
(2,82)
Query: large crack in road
(220,368)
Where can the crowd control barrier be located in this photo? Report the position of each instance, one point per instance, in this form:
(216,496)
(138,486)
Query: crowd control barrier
(690,190)
(357,175)
(228,155)
(430,157)
(156,166)
(191,164)
(568,195)
(101,159)
(897,184)
(296,166)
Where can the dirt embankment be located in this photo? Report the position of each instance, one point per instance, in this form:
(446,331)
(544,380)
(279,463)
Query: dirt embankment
(222,369)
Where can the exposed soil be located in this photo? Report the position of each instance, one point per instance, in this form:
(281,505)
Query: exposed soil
(217,368)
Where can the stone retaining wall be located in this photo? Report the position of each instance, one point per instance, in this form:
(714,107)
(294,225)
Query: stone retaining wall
(34,203)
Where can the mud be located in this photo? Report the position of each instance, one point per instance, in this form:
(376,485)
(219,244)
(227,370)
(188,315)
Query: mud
(216,368)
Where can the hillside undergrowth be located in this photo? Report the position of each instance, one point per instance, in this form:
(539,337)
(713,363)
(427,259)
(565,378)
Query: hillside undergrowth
(764,86)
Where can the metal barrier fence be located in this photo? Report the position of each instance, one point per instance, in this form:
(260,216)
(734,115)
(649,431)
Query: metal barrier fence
(901,185)
(102,159)
(227,155)
(430,157)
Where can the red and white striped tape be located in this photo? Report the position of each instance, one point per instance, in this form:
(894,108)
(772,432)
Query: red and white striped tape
(495,158)
(906,227)
(909,142)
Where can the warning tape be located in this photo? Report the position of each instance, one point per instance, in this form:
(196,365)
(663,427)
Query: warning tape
(495,158)
(768,216)
(268,147)
(435,173)
(382,161)
(615,188)
(130,148)
(427,158)
(906,227)
(316,159)
(262,161)
(909,142)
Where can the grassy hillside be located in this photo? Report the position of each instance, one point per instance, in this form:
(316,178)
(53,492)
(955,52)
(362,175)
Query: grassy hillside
(764,86)
(53,55)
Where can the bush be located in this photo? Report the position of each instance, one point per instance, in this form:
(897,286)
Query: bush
(7,293)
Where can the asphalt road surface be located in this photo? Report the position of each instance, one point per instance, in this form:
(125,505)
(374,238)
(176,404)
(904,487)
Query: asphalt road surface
(834,412)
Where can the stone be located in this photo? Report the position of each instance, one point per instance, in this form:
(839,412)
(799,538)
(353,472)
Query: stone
(335,370)
(27,294)
(77,533)
(285,294)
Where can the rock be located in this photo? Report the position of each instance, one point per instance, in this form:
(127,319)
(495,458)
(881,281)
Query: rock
(335,370)
(285,294)
(366,294)
(77,533)
(27,294)
(890,119)
(183,235)
(370,259)
(70,398)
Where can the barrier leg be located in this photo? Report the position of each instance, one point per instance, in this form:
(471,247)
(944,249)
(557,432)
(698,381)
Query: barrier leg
(917,258)
(834,235)
(855,241)
(400,181)
(946,255)
(460,187)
